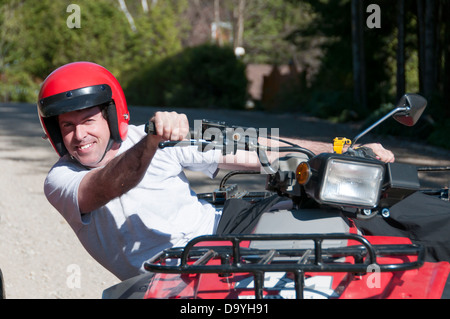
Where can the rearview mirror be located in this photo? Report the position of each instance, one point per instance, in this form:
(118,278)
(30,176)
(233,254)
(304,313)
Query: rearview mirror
(414,105)
(408,111)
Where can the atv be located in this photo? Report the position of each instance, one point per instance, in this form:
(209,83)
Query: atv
(311,248)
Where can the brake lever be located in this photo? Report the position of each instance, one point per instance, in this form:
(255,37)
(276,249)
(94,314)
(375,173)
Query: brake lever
(202,145)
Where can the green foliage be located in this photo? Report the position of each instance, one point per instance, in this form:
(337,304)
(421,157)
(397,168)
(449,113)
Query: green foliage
(36,40)
(203,76)
(17,86)
(158,34)
(96,42)
(267,24)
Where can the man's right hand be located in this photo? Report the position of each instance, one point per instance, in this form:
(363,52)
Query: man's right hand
(169,126)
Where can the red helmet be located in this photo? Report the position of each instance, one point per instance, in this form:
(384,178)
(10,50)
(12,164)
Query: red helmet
(77,86)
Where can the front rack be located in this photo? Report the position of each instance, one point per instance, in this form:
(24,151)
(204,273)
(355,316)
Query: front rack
(237,259)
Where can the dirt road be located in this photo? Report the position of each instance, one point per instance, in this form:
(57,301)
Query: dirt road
(40,256)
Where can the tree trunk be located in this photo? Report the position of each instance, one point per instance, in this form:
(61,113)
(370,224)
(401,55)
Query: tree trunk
(128,15)
(429,85)
(421,41)
(240,24)
(359,78)
(144,6)
(401,49)
(217,22)
(446,75)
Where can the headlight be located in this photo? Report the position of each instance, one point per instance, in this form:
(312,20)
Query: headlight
(345,181)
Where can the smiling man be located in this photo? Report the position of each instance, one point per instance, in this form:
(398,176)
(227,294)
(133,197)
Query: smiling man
(124,202)
(86,134)
(125,199)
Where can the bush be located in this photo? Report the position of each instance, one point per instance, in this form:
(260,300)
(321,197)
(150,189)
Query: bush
(198,77)
(17,86)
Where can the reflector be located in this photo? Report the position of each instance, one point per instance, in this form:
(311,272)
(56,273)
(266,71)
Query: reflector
(302,173)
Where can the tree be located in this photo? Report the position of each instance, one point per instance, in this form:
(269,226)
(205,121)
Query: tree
(400,49)
(269,32)
(429,43)
(46,41)
(433,41)
(240,24)
(36,39)
(123,7)
(359,63)
(14,83)
(446,77)
(421,40)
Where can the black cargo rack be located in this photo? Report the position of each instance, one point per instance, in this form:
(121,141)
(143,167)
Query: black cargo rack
(237,259)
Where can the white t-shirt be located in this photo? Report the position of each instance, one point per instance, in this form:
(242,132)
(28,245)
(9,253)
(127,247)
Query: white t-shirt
(160,212)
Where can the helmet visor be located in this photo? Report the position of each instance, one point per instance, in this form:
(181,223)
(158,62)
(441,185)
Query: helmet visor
(75,100)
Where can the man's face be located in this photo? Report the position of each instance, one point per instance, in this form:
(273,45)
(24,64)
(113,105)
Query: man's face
(86,135)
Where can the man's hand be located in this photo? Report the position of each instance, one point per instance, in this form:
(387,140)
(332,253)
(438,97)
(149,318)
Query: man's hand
(382,154)
(170,126)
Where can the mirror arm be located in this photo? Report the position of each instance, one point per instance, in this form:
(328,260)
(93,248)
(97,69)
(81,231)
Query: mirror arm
(398,109)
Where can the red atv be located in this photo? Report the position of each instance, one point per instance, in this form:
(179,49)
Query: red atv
(310,250)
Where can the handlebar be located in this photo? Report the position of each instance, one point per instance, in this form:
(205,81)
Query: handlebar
(229,139)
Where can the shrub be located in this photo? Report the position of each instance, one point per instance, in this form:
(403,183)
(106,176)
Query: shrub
(198,77)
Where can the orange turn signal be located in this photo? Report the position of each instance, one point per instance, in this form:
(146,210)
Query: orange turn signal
(302,173)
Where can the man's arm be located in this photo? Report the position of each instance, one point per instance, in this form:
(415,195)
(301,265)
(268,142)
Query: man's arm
(125,171)
(249,160)
(382,154)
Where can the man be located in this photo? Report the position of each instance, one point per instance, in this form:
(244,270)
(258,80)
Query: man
(126,199)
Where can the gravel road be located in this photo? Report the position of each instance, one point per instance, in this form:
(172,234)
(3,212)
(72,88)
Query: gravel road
(40,256)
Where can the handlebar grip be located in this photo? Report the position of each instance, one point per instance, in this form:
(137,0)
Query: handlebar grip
(362,151)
